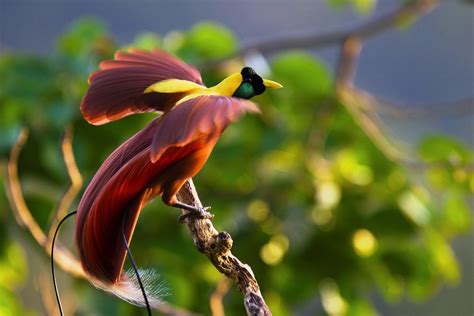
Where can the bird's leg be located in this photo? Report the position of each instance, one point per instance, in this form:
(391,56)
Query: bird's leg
(194,212)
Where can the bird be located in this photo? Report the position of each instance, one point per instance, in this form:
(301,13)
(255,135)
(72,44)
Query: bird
(159,158)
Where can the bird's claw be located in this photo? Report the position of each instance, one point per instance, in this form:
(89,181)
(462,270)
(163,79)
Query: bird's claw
(199,213)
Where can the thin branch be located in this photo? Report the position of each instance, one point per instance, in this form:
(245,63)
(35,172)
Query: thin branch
(358,102)
(425,111)
(15,195)
(345,72)
(317,40)
(76,182)
(351,42)
(216,246)
(354,101)
(369,29)
(215,301)
(63,258)
(347,66)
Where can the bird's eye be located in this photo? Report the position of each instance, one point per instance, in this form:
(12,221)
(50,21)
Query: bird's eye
(256,78)
(257,83)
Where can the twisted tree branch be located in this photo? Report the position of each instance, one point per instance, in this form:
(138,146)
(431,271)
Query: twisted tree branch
(217,247)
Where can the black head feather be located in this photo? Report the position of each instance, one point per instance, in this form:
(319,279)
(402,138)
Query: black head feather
(252,84)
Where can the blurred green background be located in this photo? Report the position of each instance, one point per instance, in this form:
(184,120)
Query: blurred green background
(328,223)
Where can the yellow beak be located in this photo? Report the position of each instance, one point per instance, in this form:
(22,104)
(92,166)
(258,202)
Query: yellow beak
(271,84)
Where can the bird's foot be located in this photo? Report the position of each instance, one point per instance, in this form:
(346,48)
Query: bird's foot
(196,213)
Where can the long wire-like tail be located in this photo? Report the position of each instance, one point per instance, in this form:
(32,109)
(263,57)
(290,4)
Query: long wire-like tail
(58,299)
(132,261)
(129,253)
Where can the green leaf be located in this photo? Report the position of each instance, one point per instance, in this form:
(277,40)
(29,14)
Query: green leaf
(338,4)
(457,216)
(440,148)
(363,7)
(210,40)
(389,285)
(361,307)
(81,37)
(442,256)
(414,208)
(146,41)
(302,73)
(13,268)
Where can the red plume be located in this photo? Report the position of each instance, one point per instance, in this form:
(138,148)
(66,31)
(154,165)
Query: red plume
(116,89)
(155,161)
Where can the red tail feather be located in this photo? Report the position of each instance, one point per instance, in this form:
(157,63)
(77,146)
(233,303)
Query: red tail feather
(116,89)
(125,182)
(157,160)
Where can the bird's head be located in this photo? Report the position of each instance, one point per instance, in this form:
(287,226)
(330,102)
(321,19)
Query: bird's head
(245,85)
(251,84)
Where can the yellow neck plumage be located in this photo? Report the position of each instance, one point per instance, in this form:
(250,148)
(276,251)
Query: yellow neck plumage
(226,87)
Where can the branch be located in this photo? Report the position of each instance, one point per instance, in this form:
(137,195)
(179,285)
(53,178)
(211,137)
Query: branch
(215,301)
(62,257)
(379,24)
(352,40)
(359,102)
(459,107)
(76,182)
(364,31)
(355,101)
(347,66)
(216,246)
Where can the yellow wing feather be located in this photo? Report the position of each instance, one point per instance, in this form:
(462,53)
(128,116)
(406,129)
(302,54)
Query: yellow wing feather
(174,86)
(226,87)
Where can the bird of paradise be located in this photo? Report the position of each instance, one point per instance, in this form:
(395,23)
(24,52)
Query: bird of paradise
(158,159)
